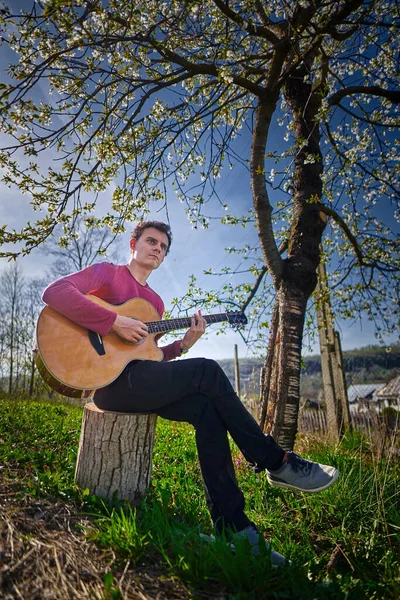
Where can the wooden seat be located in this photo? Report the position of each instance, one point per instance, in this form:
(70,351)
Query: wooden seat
(115,453)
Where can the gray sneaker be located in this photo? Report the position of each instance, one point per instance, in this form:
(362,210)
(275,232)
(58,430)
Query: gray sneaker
(251,533)
(304,475)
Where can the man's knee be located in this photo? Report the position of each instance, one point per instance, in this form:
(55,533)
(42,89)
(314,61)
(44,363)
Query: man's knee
(206,362)
(208,377)
(207,367)
(215,378)
(212,364)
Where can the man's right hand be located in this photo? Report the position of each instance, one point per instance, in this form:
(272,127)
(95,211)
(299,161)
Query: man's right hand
(130,329)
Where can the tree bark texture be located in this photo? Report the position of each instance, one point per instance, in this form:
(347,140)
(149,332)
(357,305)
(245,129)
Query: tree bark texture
(262,206)
(341,383)
(295,276)
(32,378)
(281,391)
(115,453)
(333,378)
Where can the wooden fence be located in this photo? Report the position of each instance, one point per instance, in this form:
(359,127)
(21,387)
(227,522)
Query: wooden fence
(314,421)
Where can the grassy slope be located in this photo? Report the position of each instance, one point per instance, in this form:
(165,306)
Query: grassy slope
(360,514)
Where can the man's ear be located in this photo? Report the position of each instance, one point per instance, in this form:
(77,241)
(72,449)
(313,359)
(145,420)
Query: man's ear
(132,244)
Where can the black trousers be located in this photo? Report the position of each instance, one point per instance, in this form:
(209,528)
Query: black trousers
(197,391)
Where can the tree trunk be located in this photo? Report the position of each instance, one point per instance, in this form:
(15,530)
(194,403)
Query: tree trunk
(294,277)
(32,377)
(341,383)
(115,453)
(333,378)
(11,371)
(281,390)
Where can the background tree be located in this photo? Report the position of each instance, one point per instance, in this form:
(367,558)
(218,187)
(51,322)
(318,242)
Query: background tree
(20,302)
(151,92)
(12,286)
(32,305)
(83,248)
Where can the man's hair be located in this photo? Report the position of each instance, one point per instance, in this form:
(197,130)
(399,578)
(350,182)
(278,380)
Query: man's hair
(163,227)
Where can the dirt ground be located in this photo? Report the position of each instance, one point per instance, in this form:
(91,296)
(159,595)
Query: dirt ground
(44,556)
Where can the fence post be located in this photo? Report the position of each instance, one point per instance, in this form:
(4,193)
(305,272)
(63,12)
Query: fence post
(237,371)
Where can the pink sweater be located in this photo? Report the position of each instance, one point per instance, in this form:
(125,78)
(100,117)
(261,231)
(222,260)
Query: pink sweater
(113,283)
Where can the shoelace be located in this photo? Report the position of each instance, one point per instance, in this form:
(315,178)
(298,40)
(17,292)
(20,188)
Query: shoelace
(299,464)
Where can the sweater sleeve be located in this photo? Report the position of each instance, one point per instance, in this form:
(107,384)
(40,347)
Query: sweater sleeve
(67,296)
(172,351)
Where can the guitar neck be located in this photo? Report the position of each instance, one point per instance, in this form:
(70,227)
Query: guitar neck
(183,323)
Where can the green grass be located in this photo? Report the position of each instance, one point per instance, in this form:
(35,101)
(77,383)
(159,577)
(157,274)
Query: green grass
(361,513)
(41,440)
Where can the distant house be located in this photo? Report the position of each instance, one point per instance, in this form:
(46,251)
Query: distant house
(364,396)
(389,395)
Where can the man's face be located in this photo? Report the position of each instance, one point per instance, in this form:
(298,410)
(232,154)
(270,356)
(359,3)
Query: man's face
(150,249)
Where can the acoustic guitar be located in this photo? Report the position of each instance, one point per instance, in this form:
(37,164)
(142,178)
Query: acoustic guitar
(72,359)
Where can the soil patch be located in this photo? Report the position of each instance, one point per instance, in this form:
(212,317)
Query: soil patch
(44,556)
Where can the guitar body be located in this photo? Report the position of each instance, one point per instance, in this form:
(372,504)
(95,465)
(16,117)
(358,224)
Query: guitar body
(68,360)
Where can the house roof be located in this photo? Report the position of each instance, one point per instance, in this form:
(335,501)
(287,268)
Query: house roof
(392,389)
(363,391)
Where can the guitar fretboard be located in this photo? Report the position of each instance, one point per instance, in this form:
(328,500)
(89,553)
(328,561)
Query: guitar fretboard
(182,323)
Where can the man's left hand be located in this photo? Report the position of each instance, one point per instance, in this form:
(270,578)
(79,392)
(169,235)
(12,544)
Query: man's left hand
(197,328)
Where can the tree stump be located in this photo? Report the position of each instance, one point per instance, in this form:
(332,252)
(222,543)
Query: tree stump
(115,453)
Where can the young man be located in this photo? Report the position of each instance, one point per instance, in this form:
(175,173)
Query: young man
(195,390)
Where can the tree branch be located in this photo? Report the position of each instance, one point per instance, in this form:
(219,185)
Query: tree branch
(375,24)
(260,31)
(338,219)
(205,69)
(373,90)
(263,271)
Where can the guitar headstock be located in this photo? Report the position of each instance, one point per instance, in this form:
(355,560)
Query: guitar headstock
(237,319)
